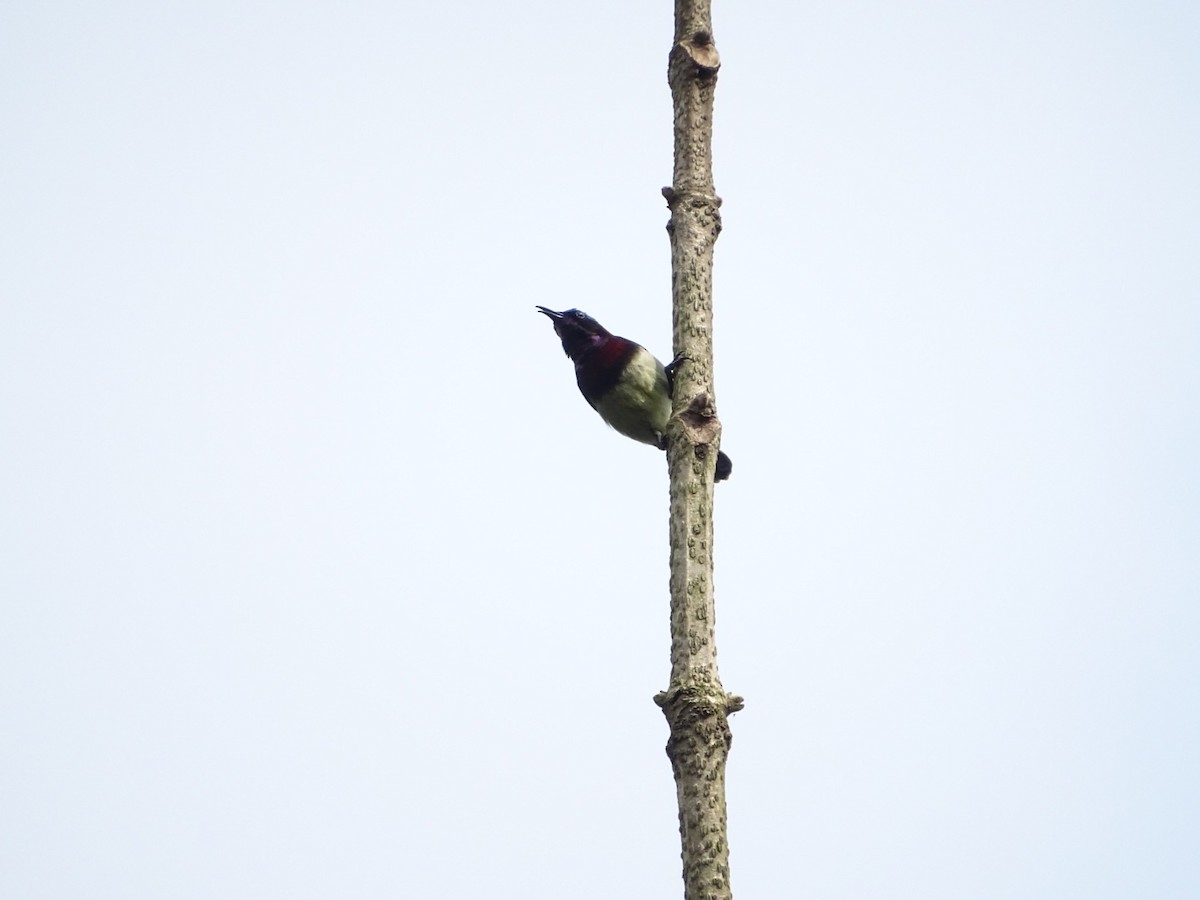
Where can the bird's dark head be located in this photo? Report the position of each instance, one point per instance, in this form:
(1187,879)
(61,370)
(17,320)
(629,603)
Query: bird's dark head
(576,329)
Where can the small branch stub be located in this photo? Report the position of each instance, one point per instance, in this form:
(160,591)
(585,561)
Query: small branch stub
(703,52)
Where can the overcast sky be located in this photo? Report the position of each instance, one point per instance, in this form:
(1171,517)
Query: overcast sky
(320,579)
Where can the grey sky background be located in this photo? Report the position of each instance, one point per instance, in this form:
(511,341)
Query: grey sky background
(320,580)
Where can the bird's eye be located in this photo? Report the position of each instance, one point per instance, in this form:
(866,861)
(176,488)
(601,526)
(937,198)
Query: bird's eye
(580,314)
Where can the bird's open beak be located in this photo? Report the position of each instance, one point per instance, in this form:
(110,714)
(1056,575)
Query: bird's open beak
(549,312)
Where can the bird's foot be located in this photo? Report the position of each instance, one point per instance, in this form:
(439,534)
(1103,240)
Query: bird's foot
(671,368)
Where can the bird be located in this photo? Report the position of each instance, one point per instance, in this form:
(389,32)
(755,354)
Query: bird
(621,379)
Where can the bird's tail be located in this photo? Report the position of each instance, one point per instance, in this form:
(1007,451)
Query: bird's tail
(724,466)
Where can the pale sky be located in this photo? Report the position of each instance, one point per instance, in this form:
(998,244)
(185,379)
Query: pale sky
(320,579)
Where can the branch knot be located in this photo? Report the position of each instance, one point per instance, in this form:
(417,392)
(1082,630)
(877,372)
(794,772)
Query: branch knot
(701,50)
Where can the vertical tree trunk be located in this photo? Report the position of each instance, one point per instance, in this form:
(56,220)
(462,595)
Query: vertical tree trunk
(695,705)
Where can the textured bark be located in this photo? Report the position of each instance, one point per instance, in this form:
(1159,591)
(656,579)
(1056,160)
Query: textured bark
(696,706)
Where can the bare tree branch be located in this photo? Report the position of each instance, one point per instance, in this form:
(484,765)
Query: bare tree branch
(695,704)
